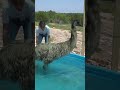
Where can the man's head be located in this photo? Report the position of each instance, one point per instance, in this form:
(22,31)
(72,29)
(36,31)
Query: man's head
(42,24)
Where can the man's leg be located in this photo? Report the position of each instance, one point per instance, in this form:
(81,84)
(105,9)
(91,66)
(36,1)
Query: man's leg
(46,38)
(40,37)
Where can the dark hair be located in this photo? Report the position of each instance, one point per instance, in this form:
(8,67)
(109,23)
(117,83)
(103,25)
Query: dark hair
(41,22)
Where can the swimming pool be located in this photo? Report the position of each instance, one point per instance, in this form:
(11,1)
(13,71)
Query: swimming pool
(66,73)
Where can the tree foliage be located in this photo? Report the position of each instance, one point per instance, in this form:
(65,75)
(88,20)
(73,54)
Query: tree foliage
(61,18)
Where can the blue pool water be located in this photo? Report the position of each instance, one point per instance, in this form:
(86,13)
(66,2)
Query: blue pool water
(66,73)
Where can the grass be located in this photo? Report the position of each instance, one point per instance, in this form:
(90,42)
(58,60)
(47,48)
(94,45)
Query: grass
(61,26)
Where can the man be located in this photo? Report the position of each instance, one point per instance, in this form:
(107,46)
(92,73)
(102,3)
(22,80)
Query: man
(42,31)
(18,13)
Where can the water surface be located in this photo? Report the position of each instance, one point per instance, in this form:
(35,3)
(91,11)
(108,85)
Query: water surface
(66,73)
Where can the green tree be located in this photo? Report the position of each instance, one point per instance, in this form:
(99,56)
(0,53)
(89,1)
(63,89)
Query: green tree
(53,17)
(41,16)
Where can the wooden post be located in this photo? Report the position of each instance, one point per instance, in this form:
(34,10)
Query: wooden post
(116,38)
(1,26)
(83,34)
